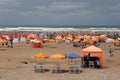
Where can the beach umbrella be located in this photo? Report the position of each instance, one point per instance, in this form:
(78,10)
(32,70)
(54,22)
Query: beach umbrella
(76,40)
(40,56)
(51,40)
(102,37)
(119,38)
(72,56)
(2,41)
(109,40)
(57,56)
(116,42)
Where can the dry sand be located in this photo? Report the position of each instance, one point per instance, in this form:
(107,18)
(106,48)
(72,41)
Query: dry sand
(11,67)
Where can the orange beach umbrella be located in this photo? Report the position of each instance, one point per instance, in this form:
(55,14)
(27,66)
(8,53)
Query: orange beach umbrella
(57,56)
(40,55)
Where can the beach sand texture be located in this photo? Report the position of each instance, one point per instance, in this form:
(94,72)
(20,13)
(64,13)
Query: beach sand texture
(11,67)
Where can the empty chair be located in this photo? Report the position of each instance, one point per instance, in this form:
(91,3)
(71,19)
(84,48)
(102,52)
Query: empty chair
(91,63)
(71,68)
(35,68)
(74,68)
(56,69)
(41,68)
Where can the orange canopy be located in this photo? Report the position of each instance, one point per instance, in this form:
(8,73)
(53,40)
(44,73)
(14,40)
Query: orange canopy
(40,55)
(51,40)
(57,56)
(93,50)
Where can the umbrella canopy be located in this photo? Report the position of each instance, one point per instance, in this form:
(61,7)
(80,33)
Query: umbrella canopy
(72,55)
(40,55)
(57,56)
(2,41)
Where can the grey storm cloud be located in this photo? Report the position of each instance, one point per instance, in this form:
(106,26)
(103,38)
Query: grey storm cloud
(63,12)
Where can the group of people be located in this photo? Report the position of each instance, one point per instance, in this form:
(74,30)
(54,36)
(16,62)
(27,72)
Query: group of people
(95,61)
(8,43)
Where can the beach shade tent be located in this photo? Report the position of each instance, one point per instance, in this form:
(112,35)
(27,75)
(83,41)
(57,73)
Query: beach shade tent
(85,41)
(40,56)
(118,38)
(37,44)
(2,41)
(116,42)
(93,50)
(76,40)
(51,40)
(102,37)
(32,36)
(15,40)
(5,36)
(93,40)
(59,38)
(45,40)
(68,38)
(23,39)
(109,40)
(72,56)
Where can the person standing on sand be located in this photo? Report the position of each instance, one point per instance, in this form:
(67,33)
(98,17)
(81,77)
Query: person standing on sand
(11,42)
(88,59)
(110,50)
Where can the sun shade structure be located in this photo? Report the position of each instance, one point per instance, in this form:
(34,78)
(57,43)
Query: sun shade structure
(40,55)
(58,56)
(93,50)
(72,55)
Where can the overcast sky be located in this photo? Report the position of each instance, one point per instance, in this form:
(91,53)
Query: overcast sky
(59,12)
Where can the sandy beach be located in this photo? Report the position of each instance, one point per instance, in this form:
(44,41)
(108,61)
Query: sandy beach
(11,67)
(59,39)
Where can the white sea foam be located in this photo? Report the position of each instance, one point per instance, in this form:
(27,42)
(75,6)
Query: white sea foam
(44,29)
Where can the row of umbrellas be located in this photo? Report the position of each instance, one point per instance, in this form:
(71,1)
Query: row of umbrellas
(57,56)
(70,56)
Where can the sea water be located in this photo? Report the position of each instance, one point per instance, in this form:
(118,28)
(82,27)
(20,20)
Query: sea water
(54,28)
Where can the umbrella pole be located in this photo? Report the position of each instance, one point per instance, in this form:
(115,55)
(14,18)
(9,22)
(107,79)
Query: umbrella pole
(68,60)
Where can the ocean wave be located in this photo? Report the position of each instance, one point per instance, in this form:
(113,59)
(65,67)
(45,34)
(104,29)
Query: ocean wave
(49,29)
